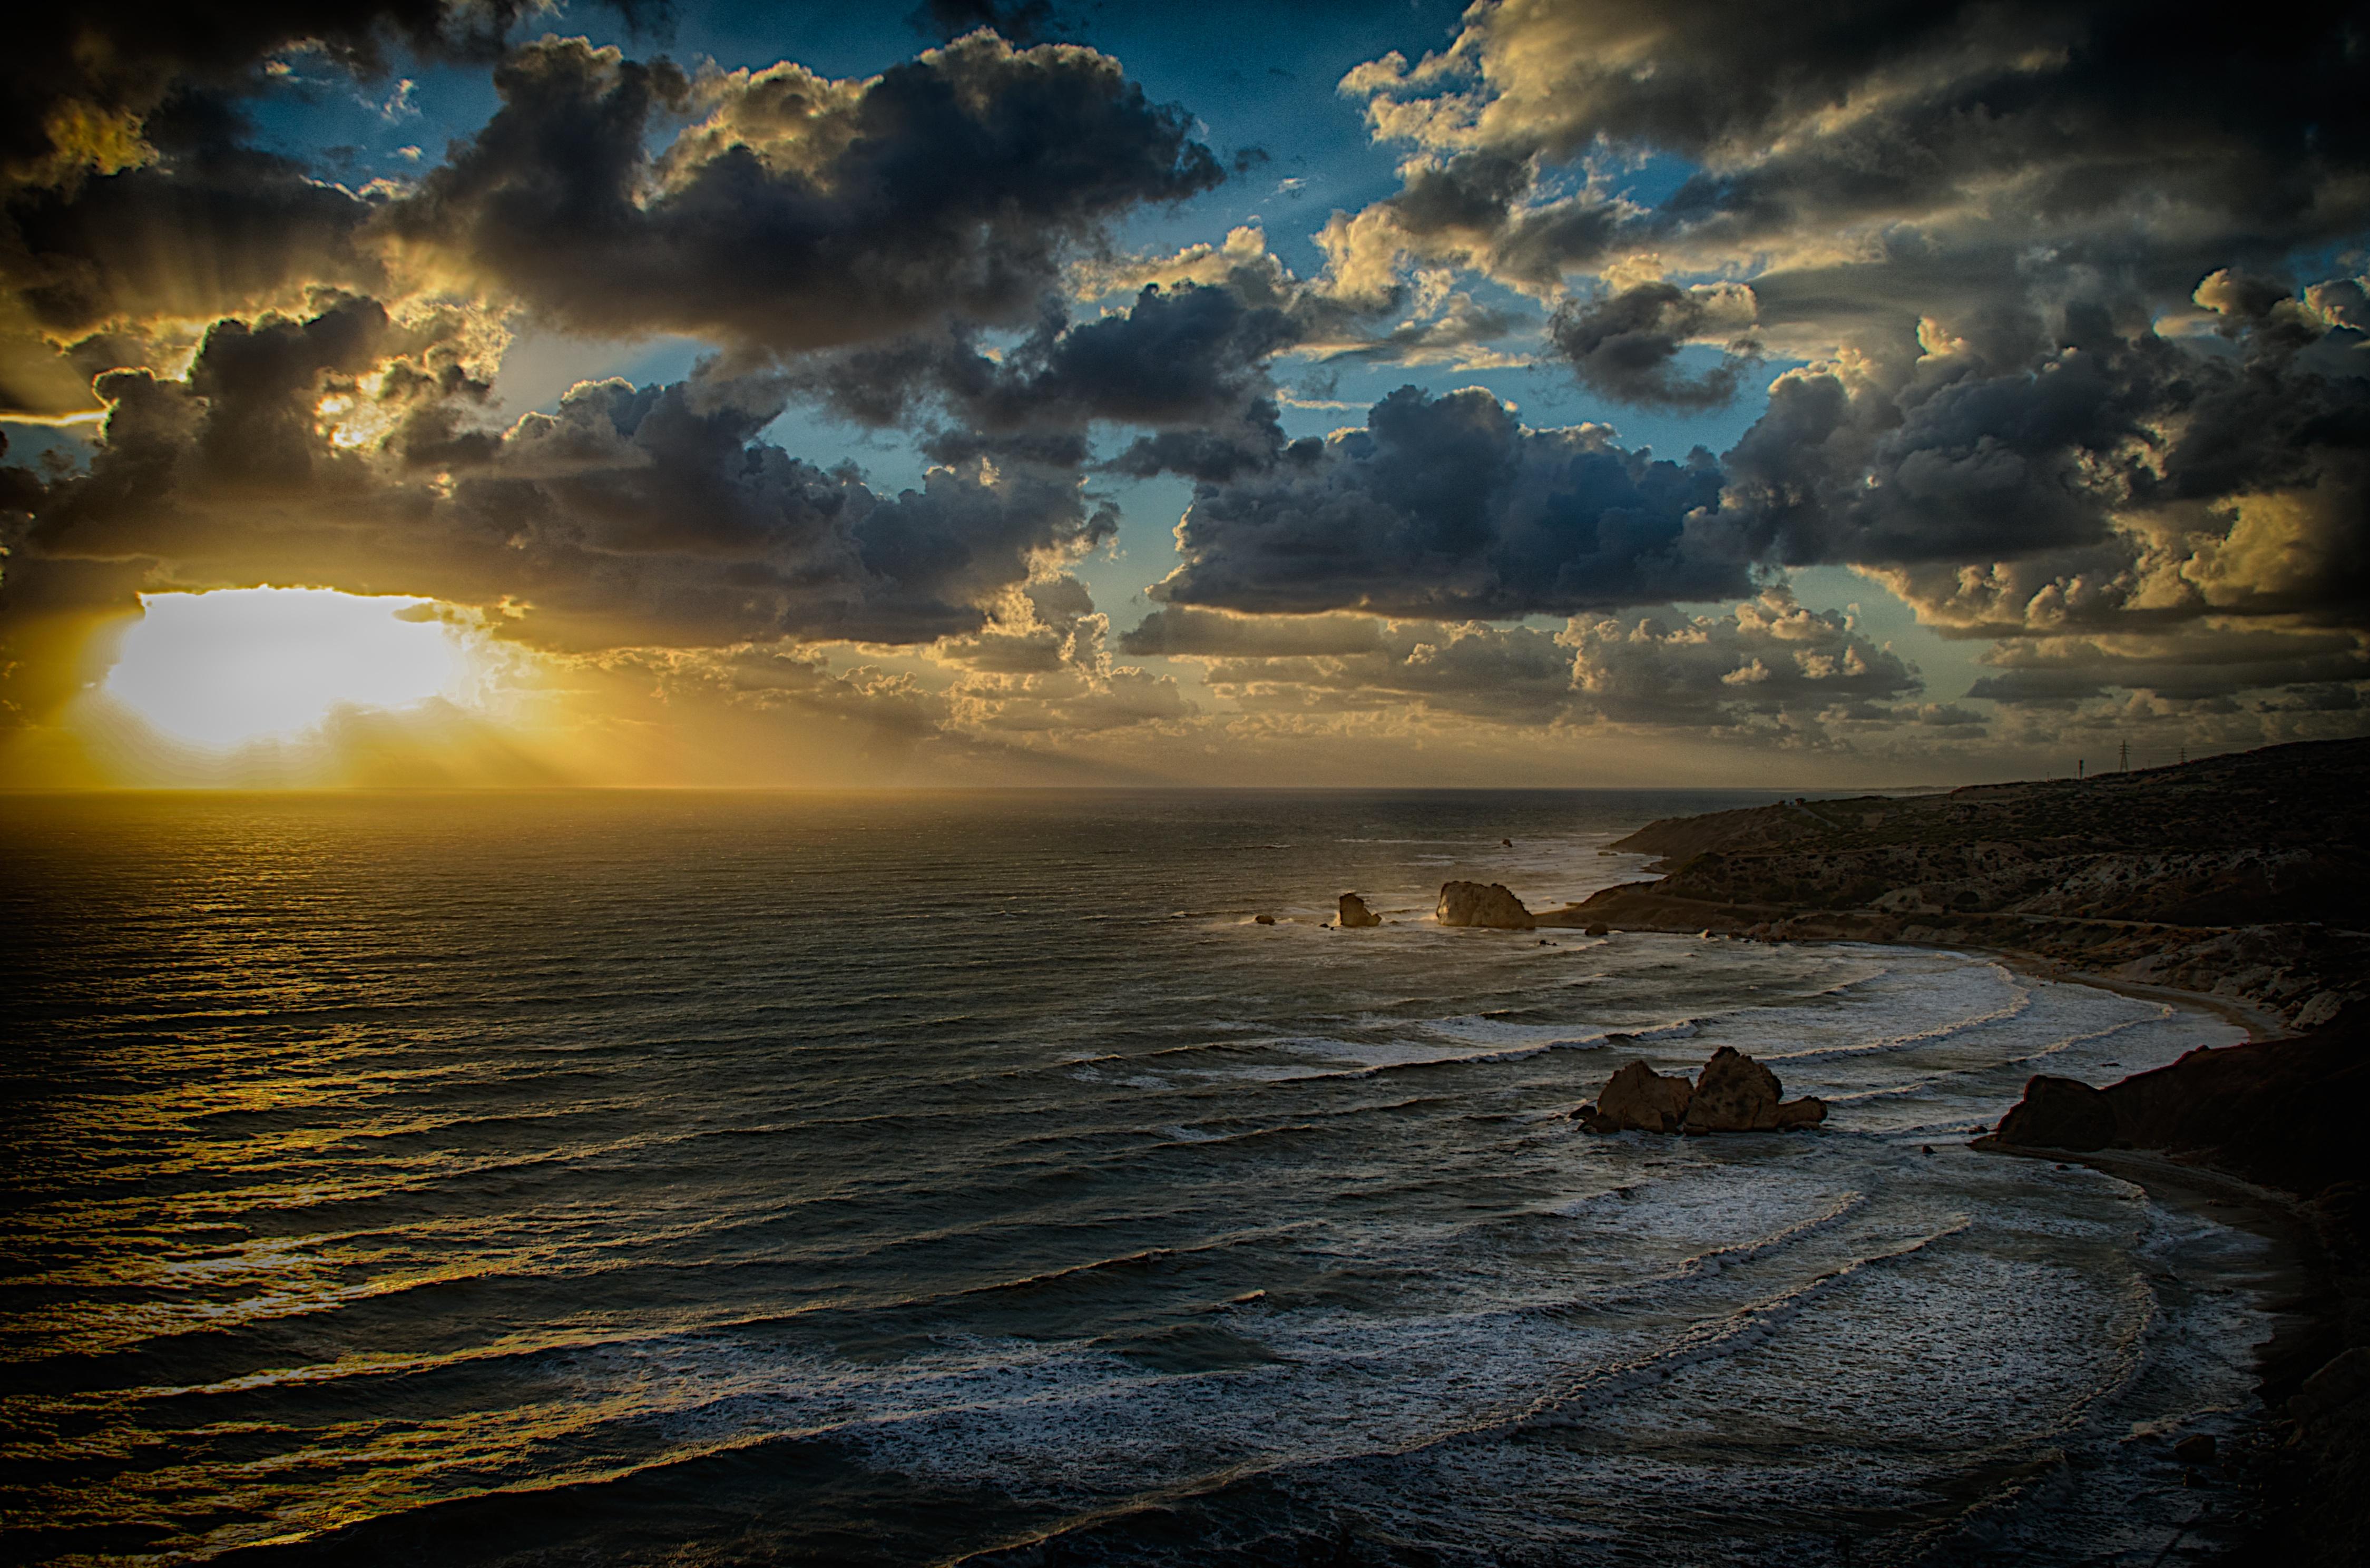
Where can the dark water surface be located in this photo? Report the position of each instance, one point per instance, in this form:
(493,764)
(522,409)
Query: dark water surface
(708,1178)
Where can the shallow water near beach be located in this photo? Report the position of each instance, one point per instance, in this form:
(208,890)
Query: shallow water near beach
(707,1178)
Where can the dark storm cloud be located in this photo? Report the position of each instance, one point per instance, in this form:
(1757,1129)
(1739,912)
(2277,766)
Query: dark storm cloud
(1464,198)
(216,230)
(1801,118)
(78,83)
(1971,218)
(2177,666)
(800,212)
(129,193)
(1625,345)
(2175,482)
(350,450)
(207,226)
(1191,361)
(2068,445)
(1449,506)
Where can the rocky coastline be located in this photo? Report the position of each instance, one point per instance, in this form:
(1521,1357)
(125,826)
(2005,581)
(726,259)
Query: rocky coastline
(2239,880)
(2242,876)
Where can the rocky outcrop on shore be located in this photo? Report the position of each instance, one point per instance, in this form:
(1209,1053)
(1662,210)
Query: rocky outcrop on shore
(1354,915)
(2241,875)
(2286,1113)
(1732,1094)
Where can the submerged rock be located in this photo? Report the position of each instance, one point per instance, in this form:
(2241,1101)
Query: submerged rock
(1734,1094)
(1263,919)
(1354,914)
(1483,904)
(1637,1099)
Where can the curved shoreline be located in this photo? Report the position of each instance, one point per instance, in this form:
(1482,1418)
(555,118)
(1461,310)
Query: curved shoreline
(2260,1496)
(2259,1025)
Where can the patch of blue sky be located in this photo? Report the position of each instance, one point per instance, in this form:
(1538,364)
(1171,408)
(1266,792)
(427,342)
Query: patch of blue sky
(1649,181)
(353,130)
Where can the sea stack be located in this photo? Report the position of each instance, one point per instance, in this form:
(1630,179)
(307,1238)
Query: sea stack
(1354,914)
(1637,1099)
(1732,1094)
(1483,904)
(1736,1094)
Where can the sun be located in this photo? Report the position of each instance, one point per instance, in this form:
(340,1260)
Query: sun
(239,664)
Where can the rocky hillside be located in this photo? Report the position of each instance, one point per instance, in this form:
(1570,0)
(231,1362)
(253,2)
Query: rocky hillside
(2240,874)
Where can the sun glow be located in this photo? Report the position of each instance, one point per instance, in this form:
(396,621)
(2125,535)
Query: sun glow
(239,664)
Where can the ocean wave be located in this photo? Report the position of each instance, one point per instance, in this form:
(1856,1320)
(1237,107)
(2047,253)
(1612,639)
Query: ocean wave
(1740,1331)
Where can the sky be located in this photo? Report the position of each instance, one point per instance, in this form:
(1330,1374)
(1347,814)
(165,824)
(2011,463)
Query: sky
(1582,392)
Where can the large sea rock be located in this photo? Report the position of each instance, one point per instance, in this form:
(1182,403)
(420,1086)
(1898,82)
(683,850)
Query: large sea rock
(1734,1094)
(1640,1099)
(1356,916)
(1483,904)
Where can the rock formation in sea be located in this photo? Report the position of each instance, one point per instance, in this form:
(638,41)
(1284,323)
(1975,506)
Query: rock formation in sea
(1732,1094)
(1354,914)
(1637,1099)
(1483,904)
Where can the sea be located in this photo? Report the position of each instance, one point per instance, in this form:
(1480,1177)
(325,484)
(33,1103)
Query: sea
(689,1178)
